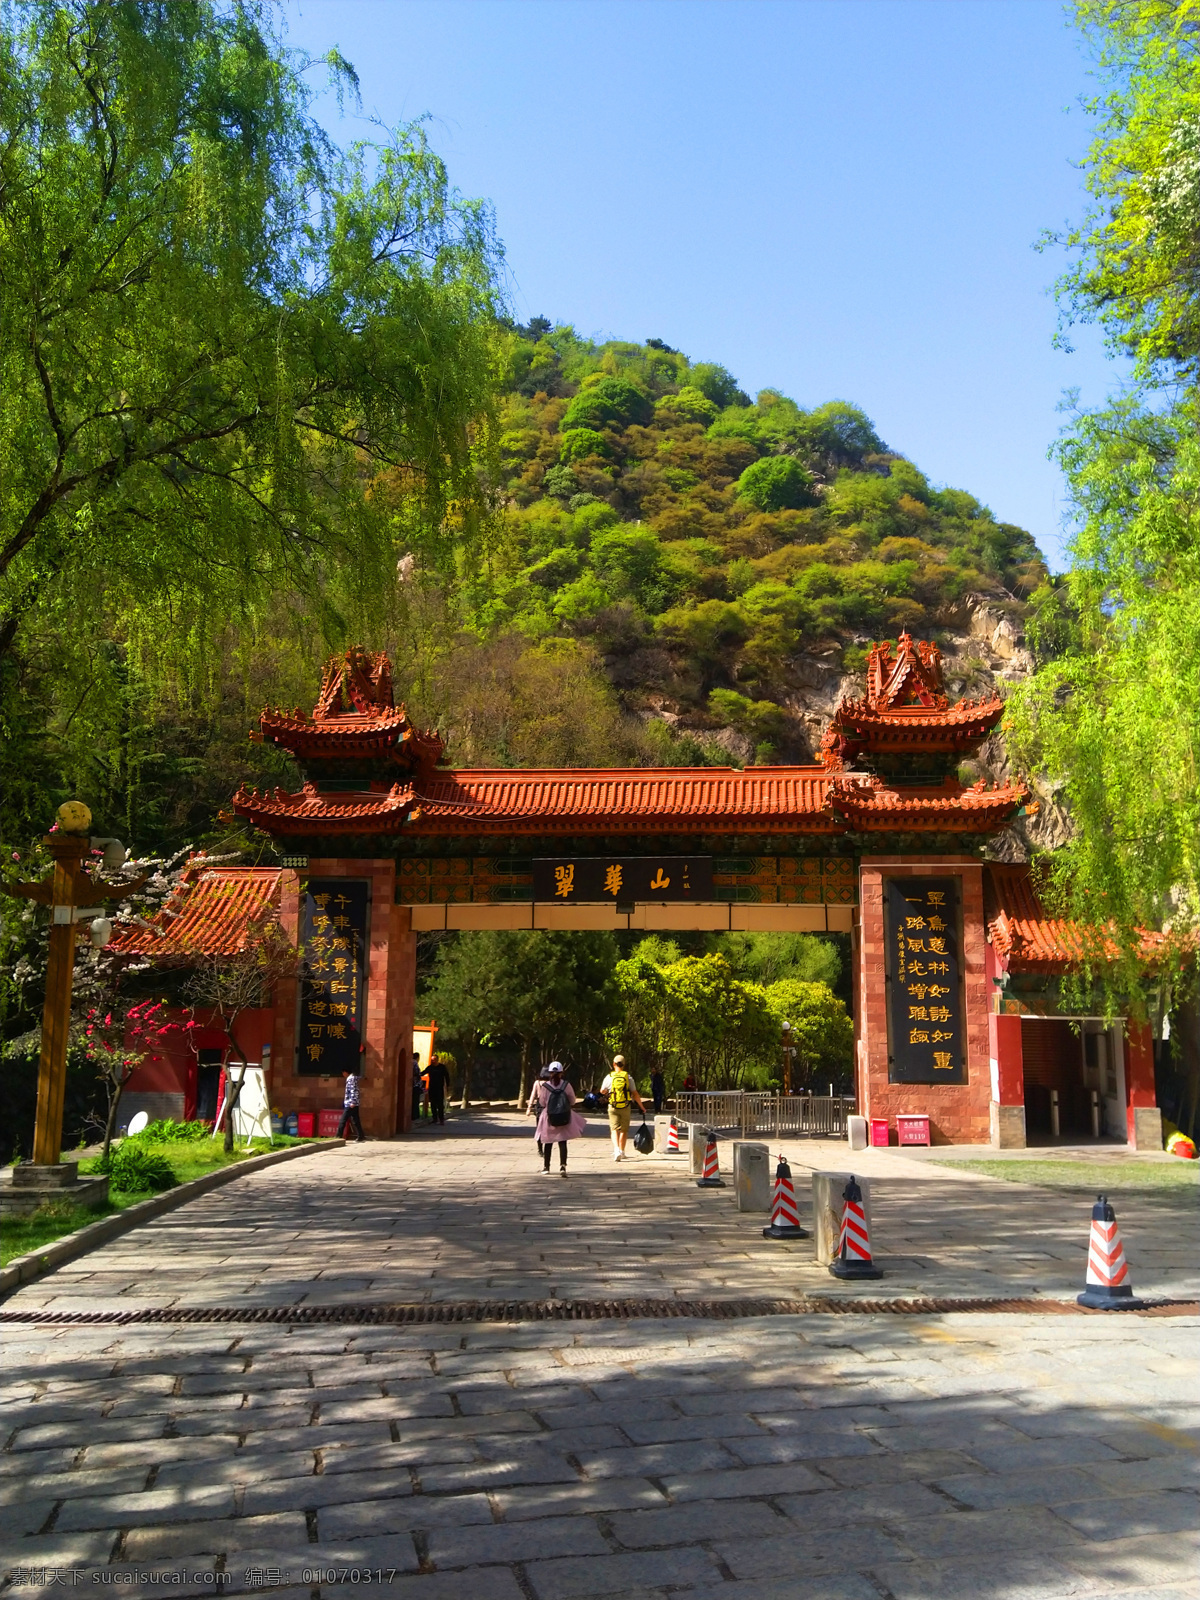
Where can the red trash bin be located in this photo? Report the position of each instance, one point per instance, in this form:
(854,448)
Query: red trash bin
(327,1123)
(304,1124)
(912,1128)
(879,1132)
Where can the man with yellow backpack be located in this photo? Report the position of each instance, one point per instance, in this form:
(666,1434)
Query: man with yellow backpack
(622,1095)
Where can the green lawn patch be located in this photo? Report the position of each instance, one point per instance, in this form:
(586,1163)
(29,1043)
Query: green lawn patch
(187,1159)
(1098,1177)
(52,1219)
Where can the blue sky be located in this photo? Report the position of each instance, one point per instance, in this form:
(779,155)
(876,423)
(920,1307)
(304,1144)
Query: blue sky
(835,198)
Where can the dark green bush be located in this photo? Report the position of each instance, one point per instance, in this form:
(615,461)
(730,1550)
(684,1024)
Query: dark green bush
(138,1170)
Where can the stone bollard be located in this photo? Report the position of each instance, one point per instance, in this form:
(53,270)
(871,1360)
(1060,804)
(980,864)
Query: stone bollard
(662,1126)
(827,1210)
(751,1175)
(697,1140)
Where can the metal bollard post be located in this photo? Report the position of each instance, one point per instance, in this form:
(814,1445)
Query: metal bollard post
(1054,1123)
(1095,1113)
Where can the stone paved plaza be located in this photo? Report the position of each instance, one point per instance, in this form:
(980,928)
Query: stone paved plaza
(827,1457)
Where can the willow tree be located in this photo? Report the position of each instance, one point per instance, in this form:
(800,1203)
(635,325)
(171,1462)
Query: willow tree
(235,362)
(1114,715)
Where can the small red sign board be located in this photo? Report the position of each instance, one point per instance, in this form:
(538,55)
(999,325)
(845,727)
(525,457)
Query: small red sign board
(912,1129)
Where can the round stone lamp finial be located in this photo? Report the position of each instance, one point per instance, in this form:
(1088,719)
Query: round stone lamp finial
(73,817)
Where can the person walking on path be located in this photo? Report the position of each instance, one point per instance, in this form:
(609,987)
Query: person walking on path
(658,1090)
(553,1102)
(417,1086)
(543,1075)
(439,1077)
(621,1091)
(350,1116)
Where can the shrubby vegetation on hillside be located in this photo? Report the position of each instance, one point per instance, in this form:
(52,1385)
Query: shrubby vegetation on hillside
(699,540)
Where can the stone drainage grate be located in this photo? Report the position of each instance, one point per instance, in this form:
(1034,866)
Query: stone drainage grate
(570,1311)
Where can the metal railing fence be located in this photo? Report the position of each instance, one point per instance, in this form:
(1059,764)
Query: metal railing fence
(750,1112)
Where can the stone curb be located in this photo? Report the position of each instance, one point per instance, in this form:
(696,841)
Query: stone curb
(23,1269)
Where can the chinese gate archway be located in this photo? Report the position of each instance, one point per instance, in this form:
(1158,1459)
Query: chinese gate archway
(879,840)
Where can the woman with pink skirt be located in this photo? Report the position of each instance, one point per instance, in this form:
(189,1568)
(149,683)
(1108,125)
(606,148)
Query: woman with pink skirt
(553,1102)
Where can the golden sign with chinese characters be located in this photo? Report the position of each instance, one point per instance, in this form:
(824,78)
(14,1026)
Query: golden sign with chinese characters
(333,932)
(924,967)
(623,878)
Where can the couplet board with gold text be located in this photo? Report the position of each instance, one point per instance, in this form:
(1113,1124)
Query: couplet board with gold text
(926,1041)
(333,932)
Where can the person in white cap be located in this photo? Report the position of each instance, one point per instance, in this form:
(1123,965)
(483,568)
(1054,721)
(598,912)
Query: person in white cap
(553,1102)
(621,1090)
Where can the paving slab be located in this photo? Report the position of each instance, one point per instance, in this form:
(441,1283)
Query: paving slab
(833,1458)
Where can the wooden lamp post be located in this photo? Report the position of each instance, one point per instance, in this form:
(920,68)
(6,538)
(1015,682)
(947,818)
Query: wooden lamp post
(66,892)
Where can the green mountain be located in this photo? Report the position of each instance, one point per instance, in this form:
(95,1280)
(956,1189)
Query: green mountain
(672,574)
(722,556)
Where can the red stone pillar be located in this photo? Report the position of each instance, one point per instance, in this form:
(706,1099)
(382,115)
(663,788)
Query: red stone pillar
(379,1056)
(871,1010)
(1007,1068)
(282,1083)
(401,1004)
(860,1084)
(384,1012)
(1141,1108)
(958,1113)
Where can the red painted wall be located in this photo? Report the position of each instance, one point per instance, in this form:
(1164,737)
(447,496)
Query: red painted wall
(173,1068)
(1139,1070)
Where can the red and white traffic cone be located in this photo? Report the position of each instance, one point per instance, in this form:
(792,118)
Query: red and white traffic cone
(853,1259)
(785,1217)
(1107,1284)
(673,1138)
(712,1178)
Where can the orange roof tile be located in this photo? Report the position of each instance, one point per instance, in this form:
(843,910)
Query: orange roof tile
(1024,932)
(309,813)
(210,914)
(622,799)
(1019,925)
(868,803)
(507,800)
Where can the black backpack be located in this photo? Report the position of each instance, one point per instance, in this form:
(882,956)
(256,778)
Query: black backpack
(558,1107)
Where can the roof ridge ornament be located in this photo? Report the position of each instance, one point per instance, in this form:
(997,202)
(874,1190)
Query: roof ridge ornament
(363,678)
(356,731)
(905,711)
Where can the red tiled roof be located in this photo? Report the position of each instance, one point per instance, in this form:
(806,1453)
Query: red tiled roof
(868,804)
(621,799)
(857,714)
(905,709)
(1033,941)
(1020,927)
(280,726)
(383,736)
(355,719)
(628,800)
(210,914)
(308,813)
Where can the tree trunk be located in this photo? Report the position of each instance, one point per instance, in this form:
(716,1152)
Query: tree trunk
(115,1090)
(233,1093)
(467,1064)
(523,1090)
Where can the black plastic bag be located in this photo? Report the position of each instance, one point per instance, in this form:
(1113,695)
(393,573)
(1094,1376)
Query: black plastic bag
(643,1139)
